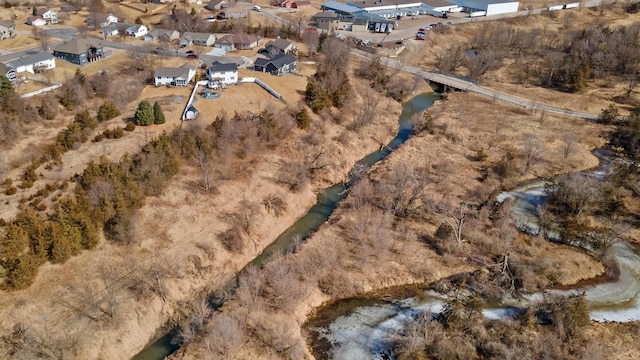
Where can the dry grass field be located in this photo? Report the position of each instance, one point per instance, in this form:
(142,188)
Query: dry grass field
(597,95)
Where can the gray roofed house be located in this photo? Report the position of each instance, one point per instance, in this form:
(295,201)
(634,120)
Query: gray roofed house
(280,46)
(194,38)
(162,35)
(79,51)
(180,76)
(282,64)
(33,63)
(235,12)
(241,41)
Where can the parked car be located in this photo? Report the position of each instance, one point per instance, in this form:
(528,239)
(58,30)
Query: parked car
(211,19)
(189,51)
(421,29)
(192,56)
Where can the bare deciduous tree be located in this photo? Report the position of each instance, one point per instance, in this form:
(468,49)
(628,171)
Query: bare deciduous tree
(225,335)
(533,151)
(569,142)
(311,39)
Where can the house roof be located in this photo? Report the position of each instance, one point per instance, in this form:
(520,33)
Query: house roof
(280,44)
(7,23)
(326,15)
(213,3)
(242,39)
(78,46)
(30,59)
(31,19)
(197,36)
(4,69)
(218,66)
(182,71)
(159,32)
(341,7)
(234,10)
(41,11)
(118,26)
(135,27)
(278,61)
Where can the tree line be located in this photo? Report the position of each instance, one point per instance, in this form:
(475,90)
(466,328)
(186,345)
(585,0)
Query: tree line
(106,198)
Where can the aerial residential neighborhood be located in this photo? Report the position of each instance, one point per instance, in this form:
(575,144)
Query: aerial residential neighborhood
(319,179)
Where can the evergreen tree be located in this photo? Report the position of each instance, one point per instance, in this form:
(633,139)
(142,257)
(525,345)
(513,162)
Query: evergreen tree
(144,114)
(193,12)
(107,111)
(303,120)
(158,115)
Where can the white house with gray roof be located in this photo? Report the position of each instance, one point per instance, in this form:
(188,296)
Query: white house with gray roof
(221,73)
(180,76)
(33,63)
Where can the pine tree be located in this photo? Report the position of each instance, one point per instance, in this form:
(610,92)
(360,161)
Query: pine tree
(107,111)
(158,115)
(144,114)
(303,120)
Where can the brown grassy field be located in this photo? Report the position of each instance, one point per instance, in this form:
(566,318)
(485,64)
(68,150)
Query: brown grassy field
(597,95)
(178,229)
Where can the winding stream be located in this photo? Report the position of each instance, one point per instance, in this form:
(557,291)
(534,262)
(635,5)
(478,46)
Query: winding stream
(364,328)
(318,214)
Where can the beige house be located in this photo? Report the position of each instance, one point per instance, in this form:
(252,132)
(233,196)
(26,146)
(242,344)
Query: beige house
(327,21)
(236,12)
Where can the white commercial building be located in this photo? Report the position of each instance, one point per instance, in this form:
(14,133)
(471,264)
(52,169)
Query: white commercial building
(491,7)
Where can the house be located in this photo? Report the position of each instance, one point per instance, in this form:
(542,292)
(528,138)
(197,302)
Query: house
(279,65)
(215,5)
(48,15)
(33,63)
(235,12)
(221,73)
(79,51)
(36,21)
(9,73)
(280,46)
(102,20)
(180,76)
(162,35)
(231,42)
(7,29)
(200,39)
(137,30)
(327,21)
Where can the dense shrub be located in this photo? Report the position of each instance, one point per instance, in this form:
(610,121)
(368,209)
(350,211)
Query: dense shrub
(107,111)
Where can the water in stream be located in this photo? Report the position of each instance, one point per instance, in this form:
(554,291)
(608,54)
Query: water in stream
(318,214)
(363,328)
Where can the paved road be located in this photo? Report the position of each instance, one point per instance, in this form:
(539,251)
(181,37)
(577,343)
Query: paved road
(465,85)
(60,33)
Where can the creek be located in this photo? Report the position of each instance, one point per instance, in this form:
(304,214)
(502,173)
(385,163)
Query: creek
(364,327)
(167,344)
